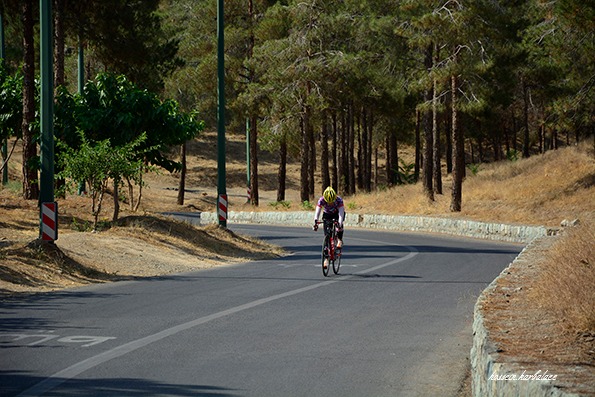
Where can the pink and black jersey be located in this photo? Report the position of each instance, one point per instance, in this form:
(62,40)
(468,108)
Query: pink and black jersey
(330,208)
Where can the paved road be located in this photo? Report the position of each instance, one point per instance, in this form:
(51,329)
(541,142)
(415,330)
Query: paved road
(395,322)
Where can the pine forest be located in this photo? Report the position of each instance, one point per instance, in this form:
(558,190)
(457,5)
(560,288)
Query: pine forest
(340,85)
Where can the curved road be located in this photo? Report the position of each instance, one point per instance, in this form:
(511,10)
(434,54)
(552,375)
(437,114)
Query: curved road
(395,322)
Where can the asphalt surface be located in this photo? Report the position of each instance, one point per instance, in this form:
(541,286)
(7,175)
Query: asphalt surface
(396,321)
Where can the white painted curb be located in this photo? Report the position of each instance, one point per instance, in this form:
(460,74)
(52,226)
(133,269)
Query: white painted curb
(408,223)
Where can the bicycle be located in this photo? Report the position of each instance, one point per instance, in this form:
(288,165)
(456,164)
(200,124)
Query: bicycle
(330,250)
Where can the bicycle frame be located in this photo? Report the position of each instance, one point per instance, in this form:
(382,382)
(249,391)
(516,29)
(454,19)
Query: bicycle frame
(330,250)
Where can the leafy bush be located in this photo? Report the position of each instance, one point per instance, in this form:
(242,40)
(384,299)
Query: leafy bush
(406,173)
(474,168)
(512,155)
(97,164)
(283,204)
(307,205)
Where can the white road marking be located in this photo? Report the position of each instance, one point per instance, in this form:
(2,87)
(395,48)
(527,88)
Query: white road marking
(40,338)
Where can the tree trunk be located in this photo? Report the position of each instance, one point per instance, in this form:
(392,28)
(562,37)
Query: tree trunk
(282,173)
(360,152)
(30,175)
(312,160)
(140,194)
(448,136)
(428,134)
(496,144)
(514,131)
(343,148)
(437,167)
(366,147)
(458,155)
(418,147)
(376,168)
(182,183)
(116,201)
(305,156)
(480,143)
(254,161)
(393,155)
(351,151)
(334,177)
(324,155)
(394,147)
(388,159)
(368,178)
(526,120)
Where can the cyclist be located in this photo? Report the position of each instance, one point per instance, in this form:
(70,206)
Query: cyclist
(332,208)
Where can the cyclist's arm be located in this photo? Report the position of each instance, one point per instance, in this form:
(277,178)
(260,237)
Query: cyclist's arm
(341,215)
(317,213)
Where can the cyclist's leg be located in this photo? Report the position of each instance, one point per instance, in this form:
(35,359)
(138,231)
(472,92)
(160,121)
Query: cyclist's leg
(340,233)
(335,217)
(327,220)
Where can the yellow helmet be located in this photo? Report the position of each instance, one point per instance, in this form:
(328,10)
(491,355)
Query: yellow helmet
(329,195)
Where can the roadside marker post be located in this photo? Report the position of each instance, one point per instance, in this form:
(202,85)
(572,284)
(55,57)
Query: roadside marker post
(221,177)
(48,224)
(222,209)
(49,221)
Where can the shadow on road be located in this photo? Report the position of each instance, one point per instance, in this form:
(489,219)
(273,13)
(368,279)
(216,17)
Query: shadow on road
(14,383)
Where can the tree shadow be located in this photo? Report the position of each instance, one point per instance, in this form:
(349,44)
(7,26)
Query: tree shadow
(15,382)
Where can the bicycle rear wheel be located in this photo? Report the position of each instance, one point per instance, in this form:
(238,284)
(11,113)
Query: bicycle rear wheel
(325,255)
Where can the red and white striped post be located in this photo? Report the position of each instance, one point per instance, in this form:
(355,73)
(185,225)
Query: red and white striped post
(222,209)
(49,221)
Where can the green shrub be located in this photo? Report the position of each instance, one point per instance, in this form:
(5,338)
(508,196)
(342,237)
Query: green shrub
(307,205)
(282,204)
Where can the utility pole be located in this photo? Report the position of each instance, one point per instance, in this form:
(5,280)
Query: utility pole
(81,66)
(5,142)
(248,189)
(222,202)
(81,87)
(46,178)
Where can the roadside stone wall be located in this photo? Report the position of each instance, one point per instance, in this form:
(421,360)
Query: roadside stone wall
(515,376)
(405,223)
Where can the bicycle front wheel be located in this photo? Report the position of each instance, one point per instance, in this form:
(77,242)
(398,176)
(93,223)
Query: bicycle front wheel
(337,261)
(325,255)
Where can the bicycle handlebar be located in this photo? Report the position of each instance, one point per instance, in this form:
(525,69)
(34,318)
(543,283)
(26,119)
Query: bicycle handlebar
(335,223)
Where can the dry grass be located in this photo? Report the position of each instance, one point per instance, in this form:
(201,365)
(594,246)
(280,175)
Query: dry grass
(540,314)
(139,245)
(541,190)
(566,285)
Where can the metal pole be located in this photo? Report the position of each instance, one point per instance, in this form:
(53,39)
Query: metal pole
(47,105)
(5,143)
(81,66)
(221,188)
(81,86)
(248,190)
